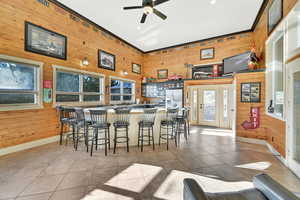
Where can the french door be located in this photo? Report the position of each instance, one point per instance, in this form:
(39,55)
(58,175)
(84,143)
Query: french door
(293,116)
(210,105)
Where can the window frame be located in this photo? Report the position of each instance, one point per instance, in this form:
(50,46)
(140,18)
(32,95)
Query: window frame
(81,94)
(38,84)
(122,94)
(278,33)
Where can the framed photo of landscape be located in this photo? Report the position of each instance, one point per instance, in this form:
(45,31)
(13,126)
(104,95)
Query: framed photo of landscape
(250,92)
(207,53)
(275,14)
(136,68)
(45,42)
(106,60)
(162,74)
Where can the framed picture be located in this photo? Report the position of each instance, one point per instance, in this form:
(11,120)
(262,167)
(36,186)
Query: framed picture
(106,60)
(275,14)
(250,92)
(45,42)
(136,68)
(162,74)
(207,53)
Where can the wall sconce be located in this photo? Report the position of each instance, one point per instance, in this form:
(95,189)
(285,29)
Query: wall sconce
(84,62)
(125,73)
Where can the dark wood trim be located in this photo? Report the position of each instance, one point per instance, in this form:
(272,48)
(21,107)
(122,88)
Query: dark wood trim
(259,14)
(93,23)
(203,40)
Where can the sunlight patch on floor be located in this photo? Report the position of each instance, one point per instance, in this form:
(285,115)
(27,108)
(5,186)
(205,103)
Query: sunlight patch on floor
(134,178)
(172,187)
(98,194)
(256,166)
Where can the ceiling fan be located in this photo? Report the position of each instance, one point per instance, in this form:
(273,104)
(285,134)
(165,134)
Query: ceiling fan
(148,6)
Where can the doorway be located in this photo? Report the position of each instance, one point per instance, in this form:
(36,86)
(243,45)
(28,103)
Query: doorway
(211,105)
(293,108)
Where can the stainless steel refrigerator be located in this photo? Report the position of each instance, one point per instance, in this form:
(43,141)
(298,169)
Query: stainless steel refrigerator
(174,98)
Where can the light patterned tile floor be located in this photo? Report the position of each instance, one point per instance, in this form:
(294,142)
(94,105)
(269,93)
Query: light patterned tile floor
(212,157)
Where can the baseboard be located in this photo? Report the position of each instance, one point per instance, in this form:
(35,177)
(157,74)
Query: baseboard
(28,145)
(251,140)
(277,154)
(263,142)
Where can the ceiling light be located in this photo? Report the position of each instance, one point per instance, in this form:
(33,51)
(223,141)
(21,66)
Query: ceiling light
(148,10)
(213,2)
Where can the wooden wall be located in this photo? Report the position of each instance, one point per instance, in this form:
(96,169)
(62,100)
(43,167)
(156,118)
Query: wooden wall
(18,127)
(275,129)
(174,59)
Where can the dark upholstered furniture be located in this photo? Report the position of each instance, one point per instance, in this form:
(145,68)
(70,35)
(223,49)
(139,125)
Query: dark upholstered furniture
(265,189)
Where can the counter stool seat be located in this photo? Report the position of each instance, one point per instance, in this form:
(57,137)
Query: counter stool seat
(146,123)
(100,125)
(121,124)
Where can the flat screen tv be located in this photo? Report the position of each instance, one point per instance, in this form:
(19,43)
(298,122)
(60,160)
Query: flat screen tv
(236,63)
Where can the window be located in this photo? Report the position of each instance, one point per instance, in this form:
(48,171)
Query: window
(275,74)
(121,91)
(78,87)
(19,83)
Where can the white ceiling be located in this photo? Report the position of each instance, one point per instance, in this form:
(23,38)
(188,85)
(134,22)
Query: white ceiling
(188,20)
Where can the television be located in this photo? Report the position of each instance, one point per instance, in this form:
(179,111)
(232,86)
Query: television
(236,63)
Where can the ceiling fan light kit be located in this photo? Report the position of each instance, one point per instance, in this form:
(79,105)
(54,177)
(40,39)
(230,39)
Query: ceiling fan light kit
(148,7)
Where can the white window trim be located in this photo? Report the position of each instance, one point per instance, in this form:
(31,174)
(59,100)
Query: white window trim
(122,101)
(78,71)
(39,104)
(269,90)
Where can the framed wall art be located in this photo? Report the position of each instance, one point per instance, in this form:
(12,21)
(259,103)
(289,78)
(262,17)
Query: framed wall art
(275,14)
(207,53)
(106,60)
(162,74)
(250,92)
(136,68)
(45,42)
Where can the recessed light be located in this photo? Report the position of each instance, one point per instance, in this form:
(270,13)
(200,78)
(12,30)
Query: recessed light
(213,2)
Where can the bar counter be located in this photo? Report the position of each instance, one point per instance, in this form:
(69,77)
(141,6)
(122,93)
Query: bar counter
(136,113)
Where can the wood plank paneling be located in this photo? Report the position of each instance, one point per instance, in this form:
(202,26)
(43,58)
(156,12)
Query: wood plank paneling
(18,127)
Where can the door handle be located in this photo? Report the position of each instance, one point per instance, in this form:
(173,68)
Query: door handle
(201,106)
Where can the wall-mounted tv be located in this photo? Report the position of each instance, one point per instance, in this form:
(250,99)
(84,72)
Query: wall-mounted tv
(236,63)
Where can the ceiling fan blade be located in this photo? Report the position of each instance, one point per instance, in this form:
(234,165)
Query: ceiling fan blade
(157,2)
(160,14)
(132,7)
(143,18)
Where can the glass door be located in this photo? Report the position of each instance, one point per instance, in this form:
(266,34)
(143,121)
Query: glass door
(194,106)
(293,128)
(208,111)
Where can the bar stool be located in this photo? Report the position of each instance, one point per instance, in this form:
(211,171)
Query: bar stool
(67,117)
(121,124)
(182,126)
(146,124)
(99,123)
(168,124)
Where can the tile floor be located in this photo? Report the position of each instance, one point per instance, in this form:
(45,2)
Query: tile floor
(212,157)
